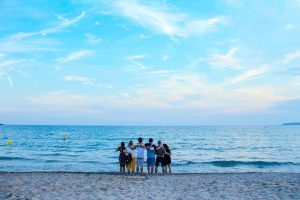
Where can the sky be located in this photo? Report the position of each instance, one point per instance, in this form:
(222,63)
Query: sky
(159,62)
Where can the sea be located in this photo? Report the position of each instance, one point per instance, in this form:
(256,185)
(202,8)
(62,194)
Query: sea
(195,149)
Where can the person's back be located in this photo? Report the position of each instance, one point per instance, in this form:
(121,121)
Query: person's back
(140,147)
(160,153)
(140,151)
(132,151)
(150,155)
(167,158)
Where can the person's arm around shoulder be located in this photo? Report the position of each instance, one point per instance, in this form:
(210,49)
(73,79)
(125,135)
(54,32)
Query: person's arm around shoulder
(168,153)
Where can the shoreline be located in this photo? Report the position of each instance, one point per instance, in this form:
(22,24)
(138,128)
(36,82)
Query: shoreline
(95,185)
(144,173)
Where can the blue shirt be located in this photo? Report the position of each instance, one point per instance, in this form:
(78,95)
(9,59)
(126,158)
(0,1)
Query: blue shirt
(151,151)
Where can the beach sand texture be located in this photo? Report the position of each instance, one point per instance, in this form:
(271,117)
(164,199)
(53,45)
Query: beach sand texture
(60,185)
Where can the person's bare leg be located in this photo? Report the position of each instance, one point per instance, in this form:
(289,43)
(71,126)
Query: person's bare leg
(128,168)
(156,169)
(170,171)
(142,170)
(152,169)
(148,169)
(137,170)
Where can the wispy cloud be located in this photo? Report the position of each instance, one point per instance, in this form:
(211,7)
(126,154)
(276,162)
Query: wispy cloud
(86,81)
(81,79)
(8,77)
(75,56)
(291,56)
(165,57)
(9,45)
(290,27)
(249,74)
(135,60)
(227,60)
(163,21)
(64,23)
(92,39)
(10,62)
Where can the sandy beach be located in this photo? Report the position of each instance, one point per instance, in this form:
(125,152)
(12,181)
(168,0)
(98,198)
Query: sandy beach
(61,185)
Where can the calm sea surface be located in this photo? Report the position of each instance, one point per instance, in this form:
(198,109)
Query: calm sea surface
(195,149)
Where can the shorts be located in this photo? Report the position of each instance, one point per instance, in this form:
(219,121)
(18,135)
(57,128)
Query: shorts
(151,162)
(140,162)
(122,160)
(122,164)
(160,160)
(131,165)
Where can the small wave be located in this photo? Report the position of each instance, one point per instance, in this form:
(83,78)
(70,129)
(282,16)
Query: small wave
(13,158)
(57,154)
(185,163)
(233,163)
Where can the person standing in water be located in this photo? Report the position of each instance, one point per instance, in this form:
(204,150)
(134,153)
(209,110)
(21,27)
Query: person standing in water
(122,157)
(150,156)
(160,153)
(167,159)
(140,147)
(132,150)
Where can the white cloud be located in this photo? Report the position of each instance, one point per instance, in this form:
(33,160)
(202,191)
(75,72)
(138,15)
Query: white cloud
(165,57)
(290,27)
(227,60)
(64,23)
(161,21)
(86,81)
(291,56)
(41,44)
(75,56)
(10,81)
(8,77)
(143,36)
(92,39)
(10,62)
(81,79)
(134,59)
(249,74)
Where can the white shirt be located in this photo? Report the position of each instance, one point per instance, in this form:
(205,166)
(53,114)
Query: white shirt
(140,152)
(133,152)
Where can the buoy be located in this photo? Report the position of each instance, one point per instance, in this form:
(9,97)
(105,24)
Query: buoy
(9,142)
(65,137)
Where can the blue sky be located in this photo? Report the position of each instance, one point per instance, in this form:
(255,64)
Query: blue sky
(130,62)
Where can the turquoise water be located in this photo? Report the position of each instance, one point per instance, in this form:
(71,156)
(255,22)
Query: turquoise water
(195,149)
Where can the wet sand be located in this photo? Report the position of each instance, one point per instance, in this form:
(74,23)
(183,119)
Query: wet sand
(61,185)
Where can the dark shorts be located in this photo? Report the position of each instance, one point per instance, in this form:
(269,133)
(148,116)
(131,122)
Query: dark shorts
(167,160)
(122,159)
(159,160)
(150,162)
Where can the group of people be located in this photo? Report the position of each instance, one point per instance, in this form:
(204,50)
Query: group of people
(132,157)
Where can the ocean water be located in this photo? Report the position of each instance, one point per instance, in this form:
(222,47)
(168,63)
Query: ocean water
(195,149)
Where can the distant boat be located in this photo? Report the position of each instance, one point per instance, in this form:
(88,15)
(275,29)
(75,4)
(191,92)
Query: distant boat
(291,124)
